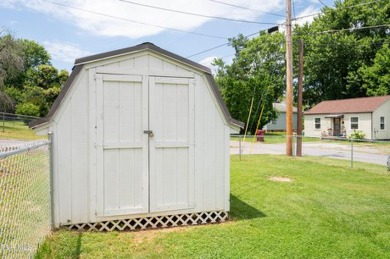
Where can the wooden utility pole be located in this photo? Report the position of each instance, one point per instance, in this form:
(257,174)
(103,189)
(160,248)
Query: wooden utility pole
(289,81)
(300,113)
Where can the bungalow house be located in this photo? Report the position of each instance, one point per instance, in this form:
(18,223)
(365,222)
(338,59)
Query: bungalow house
(370,115)
(279,124)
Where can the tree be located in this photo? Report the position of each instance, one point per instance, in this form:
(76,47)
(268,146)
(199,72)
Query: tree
(10,64)
(33,56)
(41,88)
(33,83)
(376,78)
(257,72)
(338,45)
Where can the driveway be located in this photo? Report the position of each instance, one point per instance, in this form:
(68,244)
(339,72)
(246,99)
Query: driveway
(333,150)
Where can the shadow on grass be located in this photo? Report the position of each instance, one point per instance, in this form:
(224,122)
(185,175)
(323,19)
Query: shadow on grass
(239,210)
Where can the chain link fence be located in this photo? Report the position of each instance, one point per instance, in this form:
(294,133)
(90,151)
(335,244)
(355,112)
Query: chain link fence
(354,150)
(14,121)
(25,214)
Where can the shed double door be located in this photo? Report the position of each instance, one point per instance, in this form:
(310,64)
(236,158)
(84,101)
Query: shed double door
(145,137)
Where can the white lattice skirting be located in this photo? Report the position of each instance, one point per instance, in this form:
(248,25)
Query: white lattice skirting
(154,222)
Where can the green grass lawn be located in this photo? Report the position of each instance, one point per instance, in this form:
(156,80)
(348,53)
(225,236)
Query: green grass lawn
(17,130)
(325,209)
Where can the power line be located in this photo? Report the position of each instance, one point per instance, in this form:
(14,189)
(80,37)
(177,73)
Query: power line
(314,14)
(133,21)
(361,4)
(246,8)
(195,14)
(225,44)
(354,29)
(322,3)
(339,30)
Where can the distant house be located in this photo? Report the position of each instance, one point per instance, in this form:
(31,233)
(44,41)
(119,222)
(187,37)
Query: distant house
(279,124)
(371,115)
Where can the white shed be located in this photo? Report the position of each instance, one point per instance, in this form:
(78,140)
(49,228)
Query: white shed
(140,139)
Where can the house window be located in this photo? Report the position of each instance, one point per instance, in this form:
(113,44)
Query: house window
(382,123)
(354,123)
(273,121)
(317,123)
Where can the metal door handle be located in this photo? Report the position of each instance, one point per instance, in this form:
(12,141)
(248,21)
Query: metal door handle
(149,132)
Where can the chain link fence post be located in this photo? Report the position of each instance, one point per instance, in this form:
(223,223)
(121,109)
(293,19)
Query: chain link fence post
(50,137)
(240,147)
(351,152)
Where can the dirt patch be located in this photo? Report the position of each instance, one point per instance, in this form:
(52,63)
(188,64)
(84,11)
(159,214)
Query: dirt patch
(280,179)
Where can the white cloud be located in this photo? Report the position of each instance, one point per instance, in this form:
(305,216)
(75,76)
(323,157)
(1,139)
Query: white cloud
(308,15)
(207,62)
(109,26)
(64,51)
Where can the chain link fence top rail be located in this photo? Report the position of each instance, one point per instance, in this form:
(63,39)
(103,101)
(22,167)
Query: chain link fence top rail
(24,198)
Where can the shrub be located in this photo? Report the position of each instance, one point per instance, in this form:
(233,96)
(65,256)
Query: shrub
(27,109)
(357,135)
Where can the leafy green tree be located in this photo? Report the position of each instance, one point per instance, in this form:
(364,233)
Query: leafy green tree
(376,78)
(33,82)
(257,73)
(10,64)
(44,76)
(338,44)
(33,56)
(29,109)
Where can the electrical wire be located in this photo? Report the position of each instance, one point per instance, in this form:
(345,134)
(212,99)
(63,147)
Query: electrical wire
(195,14)
(346,7)
(134,21)
(322,3)
(246,8)
(219,46)
(354,29)
(328,31)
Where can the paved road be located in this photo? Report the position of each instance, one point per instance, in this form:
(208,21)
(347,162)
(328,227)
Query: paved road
(362,154)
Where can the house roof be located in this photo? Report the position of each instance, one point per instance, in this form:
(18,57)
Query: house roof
(79,63)
(354,105)
(281,107)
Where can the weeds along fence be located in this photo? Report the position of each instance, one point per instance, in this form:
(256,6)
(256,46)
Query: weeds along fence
(376,152)
(25,203)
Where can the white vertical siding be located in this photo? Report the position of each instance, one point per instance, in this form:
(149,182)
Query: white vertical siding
(364,124)
(311,131)
(382,111)
(74,135)
(280,122)
(211,147)
(72,156)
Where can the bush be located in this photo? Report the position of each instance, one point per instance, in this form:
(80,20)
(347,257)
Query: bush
(357,135)
(27,109)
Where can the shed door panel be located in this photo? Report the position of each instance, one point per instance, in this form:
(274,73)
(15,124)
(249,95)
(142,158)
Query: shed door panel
(172,150)
(123,149)
(137,172)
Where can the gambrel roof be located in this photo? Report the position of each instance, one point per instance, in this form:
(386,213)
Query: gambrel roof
(353,105)
(79,63)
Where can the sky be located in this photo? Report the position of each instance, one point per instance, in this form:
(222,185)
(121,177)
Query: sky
(71,29)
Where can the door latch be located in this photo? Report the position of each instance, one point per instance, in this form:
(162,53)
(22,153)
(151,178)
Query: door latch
(149,132)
